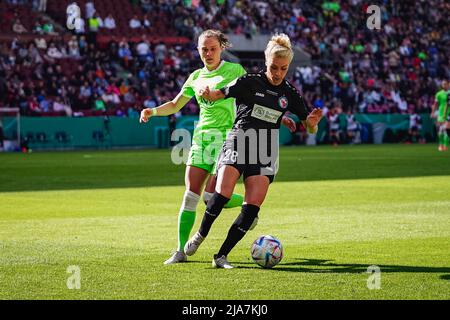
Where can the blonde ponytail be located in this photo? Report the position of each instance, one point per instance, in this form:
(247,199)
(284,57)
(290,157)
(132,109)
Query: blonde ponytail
(279,46)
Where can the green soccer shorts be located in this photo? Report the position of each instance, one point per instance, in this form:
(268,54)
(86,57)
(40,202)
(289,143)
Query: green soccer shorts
(205,149)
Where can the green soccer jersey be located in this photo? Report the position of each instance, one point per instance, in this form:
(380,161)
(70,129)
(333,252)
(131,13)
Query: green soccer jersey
(219,114)
(215,117)
(442,100)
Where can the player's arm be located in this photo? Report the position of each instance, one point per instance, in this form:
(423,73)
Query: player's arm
(289,123)
(211,95)
(312,121)
(309,120)
(433,109)
(165,109)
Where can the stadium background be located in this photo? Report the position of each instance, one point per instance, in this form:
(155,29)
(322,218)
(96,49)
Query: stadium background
(130,54)
(113,212)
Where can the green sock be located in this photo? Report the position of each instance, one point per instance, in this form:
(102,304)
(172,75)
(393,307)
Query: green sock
(236,200)
(445,140)
(186,220)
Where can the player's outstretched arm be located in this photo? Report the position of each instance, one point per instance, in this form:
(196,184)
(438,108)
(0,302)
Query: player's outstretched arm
(313,120)
(211,95)
(165,109)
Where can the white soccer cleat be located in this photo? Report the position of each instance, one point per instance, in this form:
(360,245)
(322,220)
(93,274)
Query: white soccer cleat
(192,245)
(255,222)
(221,262)
(177,257)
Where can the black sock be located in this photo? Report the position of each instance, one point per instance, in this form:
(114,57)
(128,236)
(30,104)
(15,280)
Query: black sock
(213,209)
(239,228)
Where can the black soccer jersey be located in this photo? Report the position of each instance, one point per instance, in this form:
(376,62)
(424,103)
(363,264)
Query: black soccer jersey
(261,105)
(252,145)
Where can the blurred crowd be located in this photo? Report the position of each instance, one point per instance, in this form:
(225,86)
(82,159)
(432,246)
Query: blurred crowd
(394,69)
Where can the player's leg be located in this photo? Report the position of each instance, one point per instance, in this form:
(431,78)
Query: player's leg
(194,180)
(256,188)
(236,200)
(447,135)
(441,135)
(226,181)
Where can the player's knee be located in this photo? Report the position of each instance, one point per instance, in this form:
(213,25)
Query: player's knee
(207,196)
(190,201)
(248,214)
(216,204)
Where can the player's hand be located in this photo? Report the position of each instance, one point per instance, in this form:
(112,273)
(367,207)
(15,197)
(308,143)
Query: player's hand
(145,115)
(289,123)
(205,93)
(314,117)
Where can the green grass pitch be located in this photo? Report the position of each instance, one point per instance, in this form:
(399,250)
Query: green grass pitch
(337,211)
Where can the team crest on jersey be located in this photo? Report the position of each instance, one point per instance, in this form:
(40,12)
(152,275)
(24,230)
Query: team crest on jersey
(283,102)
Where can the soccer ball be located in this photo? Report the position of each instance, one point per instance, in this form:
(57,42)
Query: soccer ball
(267,251)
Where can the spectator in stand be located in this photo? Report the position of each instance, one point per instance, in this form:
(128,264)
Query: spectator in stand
(18,27)
(125,53)
(135,23)
(334,126)
(90,9)
(53,52)
(353,128)
(48,28)
(143,49)
(42,5)
(37,29)
(110,23)
(146,22)
(415,128)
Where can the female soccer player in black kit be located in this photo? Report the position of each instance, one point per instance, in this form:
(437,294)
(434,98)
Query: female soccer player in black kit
(252,144)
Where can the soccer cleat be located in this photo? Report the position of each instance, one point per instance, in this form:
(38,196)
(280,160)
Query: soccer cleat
(441,148)
(192,245)
(221,262)
(255,222)
(177,257)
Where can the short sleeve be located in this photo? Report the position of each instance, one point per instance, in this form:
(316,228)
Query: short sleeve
(187,90)
(236,88)
(240,71)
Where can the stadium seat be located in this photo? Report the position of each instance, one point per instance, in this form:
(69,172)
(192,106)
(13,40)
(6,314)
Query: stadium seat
(99,138)
(62,138)
(41,139)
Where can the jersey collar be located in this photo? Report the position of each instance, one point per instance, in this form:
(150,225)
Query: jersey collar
(205,69)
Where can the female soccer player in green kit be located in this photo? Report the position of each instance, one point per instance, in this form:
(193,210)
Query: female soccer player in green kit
(216,118)
(443,123)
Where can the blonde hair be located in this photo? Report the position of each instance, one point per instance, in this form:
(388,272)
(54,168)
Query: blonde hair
(222,38)
(279,46)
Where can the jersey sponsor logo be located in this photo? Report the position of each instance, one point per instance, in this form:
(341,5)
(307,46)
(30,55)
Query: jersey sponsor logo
(283,102)
(259,94)
(266,114)
(272,93)
(201,83)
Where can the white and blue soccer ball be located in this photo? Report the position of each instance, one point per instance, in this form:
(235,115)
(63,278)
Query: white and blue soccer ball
(267,251)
